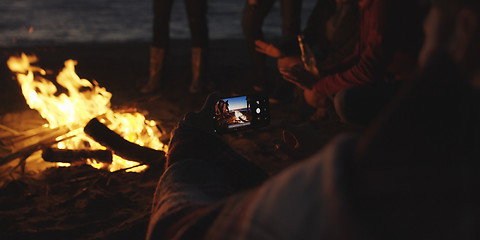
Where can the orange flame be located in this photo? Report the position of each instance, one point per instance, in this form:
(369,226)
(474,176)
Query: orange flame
(83,101)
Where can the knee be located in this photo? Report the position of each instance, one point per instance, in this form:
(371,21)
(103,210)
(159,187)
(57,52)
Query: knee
(341,103)
(251,24)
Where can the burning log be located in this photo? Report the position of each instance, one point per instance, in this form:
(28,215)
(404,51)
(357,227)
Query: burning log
(72,156)
(121,147)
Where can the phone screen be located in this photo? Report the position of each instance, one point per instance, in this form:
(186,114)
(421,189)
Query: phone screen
(243,112)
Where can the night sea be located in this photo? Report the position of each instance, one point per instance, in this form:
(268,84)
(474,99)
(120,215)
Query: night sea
(33,22)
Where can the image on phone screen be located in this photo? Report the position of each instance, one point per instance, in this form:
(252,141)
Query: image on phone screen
(235,113)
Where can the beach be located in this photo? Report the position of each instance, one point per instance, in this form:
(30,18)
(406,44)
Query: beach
(116,206)
(52,22)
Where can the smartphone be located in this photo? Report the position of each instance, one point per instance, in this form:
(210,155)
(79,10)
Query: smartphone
(244,112)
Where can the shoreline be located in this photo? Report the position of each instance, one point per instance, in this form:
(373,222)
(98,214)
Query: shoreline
(117,65)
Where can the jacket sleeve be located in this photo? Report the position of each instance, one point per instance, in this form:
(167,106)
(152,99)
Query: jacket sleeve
(371,63)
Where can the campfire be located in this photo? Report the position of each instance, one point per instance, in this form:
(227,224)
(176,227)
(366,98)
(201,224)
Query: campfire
(82,127)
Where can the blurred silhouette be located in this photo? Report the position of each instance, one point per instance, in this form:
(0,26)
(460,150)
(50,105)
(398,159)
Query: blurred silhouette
(386,53)
(412,175)
(197,19)
(254,14)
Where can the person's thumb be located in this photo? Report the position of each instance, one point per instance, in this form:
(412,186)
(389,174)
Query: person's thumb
(209,105)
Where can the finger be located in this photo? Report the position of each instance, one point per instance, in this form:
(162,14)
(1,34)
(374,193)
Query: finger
(288,74)
(209,105)
(289,77)
(261,50)
(270,51)
(285,71)
(261,44)
(267,49)
(296,67)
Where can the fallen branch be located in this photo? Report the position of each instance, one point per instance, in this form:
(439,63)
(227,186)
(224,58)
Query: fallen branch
(121,147)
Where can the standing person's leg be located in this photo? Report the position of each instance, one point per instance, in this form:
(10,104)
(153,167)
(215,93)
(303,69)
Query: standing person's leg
(158,50)
(197,20)
(161,22)
(315,30)
(291,18)
(254,13)
(291,26)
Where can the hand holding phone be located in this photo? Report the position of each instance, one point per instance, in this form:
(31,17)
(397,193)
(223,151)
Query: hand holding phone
(238,113)
(203,118)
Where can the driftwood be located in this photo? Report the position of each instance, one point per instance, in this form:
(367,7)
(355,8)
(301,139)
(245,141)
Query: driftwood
(71,156)
(121,147)
(47,140)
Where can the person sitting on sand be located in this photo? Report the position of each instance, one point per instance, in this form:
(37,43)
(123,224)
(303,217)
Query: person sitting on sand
(413,175)
(363,83)
(420,156)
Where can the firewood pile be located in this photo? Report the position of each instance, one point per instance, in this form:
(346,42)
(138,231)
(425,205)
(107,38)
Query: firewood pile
(76,202)
(21,145)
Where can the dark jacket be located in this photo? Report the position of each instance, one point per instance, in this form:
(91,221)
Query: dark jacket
(390,39)
(417,167)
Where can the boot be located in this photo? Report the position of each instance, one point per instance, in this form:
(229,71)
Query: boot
(199,66)
(157,59)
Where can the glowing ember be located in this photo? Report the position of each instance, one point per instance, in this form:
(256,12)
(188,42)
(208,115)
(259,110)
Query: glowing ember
(82,101)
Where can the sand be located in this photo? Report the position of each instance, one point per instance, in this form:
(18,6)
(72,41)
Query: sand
(81,202)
